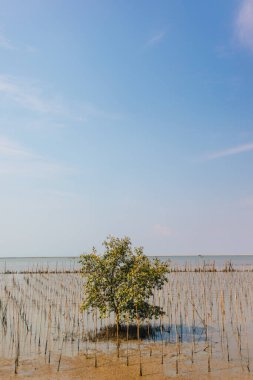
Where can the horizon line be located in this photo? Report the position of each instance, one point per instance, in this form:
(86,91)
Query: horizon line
(151,255)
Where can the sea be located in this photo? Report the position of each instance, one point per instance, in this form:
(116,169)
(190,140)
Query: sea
(21,264)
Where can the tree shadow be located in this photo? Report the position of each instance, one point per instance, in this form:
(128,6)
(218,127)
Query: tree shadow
(170,333)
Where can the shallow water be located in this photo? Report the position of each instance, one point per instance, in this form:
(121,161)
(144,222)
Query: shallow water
(208,316)
(58,264)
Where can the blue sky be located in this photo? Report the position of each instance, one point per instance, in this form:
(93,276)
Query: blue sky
(126,118)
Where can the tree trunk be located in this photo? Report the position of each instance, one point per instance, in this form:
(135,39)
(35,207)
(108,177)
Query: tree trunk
(117,332)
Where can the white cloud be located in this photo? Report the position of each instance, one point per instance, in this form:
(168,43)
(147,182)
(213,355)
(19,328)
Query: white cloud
(155,39)
(244,24)
(231,151)
(162,231)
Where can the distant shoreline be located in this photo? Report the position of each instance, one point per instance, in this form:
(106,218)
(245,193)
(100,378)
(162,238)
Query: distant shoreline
(168,255)
(72,263)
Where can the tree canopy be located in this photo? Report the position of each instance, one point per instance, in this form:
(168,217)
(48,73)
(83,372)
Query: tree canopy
(122,280)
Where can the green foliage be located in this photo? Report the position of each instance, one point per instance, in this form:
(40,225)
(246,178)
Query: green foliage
(122,280)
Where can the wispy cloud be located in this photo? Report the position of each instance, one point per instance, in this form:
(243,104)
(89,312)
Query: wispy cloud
(155,39)
(231,151)
(9,148)
(34,169)
(244,24)
(62,194)
(18,160)
(89,110)
(5,43)
(27,95)
(34,97)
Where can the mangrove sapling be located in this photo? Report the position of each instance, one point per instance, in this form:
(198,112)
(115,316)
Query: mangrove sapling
(122,279)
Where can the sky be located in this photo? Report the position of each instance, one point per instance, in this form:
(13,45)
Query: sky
(126,118)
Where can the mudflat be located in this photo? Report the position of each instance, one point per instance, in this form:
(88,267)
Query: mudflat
(206,332)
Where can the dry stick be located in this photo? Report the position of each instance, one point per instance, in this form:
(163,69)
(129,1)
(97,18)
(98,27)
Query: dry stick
(107,329)
(219,315)
(193,328)
(222,310)
(176,366)
(87,334)
(206,323)
(209,351)
(96,361)
(45,349)
(193,347)
(17,348)
(179,327)
(228,356)
(211,337)
(161,325)
(59,361)
(127,334)
(49,331)
(150,347)
(240,343)
(161,329)
(248,360)
(209,361)
(202,320)
(138,337)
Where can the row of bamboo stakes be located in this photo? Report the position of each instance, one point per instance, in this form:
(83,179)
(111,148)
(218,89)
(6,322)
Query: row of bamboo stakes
(207,323)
